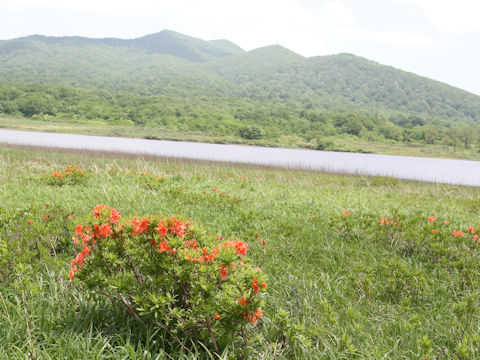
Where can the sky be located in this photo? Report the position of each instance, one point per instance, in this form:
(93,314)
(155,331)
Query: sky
(439,39)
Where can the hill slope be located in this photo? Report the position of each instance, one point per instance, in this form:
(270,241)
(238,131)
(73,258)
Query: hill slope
(170,63)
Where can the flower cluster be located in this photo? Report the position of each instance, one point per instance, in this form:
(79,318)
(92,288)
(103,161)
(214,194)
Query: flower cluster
(70,175)
(249,313)
(387,221)
(457,233)
(87,236)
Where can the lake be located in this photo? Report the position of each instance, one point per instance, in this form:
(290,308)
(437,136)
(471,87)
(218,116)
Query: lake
(461,172)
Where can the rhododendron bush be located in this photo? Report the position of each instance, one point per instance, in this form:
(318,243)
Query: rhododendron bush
(69,176)
(170,273)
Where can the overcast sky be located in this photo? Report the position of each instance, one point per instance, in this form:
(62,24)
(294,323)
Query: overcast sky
(439,39)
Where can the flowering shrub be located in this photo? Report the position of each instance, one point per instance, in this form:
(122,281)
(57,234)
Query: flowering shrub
(171,274)
(71,175)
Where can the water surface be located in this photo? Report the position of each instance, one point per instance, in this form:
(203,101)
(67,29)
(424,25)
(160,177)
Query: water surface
(461,172)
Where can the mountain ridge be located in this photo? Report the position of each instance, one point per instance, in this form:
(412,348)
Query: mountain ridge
(168,63)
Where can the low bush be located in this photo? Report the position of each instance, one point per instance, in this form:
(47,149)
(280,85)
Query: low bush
(71,176)
(171,274)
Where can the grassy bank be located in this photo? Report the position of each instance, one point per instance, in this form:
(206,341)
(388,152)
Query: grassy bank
(342,285)
(344,142)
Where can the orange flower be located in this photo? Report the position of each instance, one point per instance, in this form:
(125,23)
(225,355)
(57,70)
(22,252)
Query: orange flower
(216,316)
(115,216)
(446,222)
(241,247)
(163,246)
(193,243)
(255,286)
(78,230)
(242,301)
(161,229)
(98,209)
(177,227)
(258,313)
(253,318)
(432,219)
(105,230)
(140,227)
(223,271)
(71,274)
(346,213)
(435,231)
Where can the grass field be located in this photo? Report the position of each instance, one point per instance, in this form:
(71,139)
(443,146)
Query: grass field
(342,285)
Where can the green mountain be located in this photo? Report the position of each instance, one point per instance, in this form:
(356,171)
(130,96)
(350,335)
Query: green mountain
(128,65)
(165,42)
(170,63)
(189,84)
(183,46)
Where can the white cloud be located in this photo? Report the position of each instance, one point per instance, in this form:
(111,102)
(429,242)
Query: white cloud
(387,37)
(338,12)
(450,17)
(113,7)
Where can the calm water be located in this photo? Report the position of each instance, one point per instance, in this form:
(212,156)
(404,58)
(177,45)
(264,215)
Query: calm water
(463,172)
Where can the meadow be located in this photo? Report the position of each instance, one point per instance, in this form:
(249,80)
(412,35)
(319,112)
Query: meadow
(357,267)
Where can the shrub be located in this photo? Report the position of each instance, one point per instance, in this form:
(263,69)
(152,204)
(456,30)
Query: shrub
(71,175)
(252,132)
(29,236)
(323,144)
(170,274)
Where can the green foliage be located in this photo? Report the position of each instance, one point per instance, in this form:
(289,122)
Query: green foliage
(28,236)
(149,181)
(252,132)
(172,275)
(323,144)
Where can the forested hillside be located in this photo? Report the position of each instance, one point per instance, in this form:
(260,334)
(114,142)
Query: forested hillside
(183,83)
